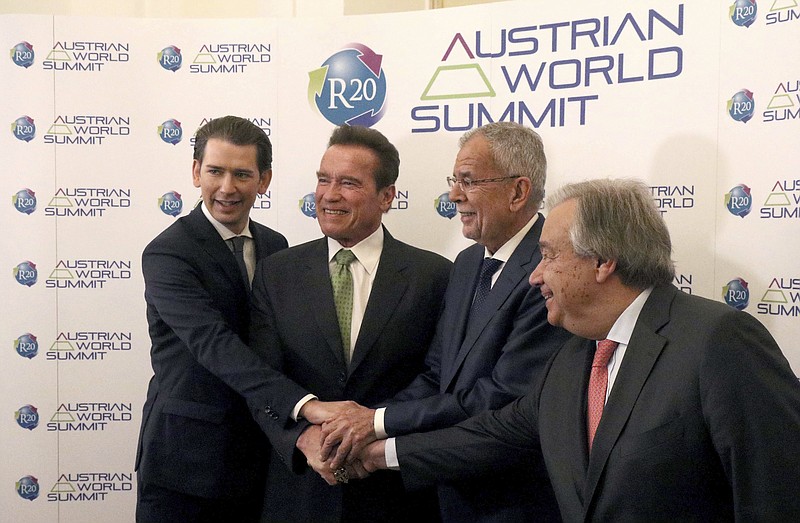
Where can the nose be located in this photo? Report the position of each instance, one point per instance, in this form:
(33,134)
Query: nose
(536,276)
(228,186)
(456,194)
(331,192)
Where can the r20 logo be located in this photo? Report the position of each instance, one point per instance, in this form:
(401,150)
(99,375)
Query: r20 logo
(350,87)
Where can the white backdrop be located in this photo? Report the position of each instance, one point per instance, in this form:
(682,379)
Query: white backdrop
(701,100)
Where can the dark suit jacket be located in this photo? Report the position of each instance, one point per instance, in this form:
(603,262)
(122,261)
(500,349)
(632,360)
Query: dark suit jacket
(294,325)
(480,364)
(198,436)
(702,424)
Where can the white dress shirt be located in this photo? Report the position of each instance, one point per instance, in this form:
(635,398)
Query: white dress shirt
(621,333)
(249,249)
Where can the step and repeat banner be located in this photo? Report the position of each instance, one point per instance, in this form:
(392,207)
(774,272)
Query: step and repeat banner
(700,99)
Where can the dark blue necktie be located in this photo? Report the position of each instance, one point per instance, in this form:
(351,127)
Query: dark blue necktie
(237,243)
(488,268)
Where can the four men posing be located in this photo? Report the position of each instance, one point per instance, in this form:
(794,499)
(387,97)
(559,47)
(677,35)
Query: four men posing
(345,349)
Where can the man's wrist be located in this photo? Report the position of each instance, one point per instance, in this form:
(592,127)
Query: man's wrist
(378,423)
(297,411)
(390,454)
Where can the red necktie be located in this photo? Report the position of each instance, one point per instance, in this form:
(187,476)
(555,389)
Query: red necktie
(598,384)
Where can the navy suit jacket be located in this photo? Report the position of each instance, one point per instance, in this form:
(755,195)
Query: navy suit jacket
(702,424)
(198,435)
(483,363)
(294,326)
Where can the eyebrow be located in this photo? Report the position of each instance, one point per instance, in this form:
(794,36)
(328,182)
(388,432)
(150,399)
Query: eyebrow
(340,177)
(221,167)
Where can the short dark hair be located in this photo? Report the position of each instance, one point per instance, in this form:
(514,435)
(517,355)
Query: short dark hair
(388,157)
(237,131)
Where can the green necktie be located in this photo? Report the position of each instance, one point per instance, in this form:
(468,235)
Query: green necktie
(342,282)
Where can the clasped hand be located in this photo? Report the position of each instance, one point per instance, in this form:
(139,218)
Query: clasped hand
(335,445)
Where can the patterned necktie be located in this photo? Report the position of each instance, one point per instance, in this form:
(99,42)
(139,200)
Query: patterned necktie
(488,268)
(237,246)
(342,282)
(598,384)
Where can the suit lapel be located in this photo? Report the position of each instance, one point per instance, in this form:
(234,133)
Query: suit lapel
(387,291)
(518,267)
(464,280)
(643,350)
(210,240)
(577,365)
(318,284)
(263,247)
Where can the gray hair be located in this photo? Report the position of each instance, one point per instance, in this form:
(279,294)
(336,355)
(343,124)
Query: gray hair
(618,220)
(515,149)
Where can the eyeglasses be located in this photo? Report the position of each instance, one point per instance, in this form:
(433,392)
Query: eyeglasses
(465,184)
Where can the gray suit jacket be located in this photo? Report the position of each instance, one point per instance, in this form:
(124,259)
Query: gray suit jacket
(701,424)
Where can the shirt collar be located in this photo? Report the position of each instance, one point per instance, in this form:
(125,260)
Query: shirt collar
(367,251)
(623,328)
(508,248)
(223,231)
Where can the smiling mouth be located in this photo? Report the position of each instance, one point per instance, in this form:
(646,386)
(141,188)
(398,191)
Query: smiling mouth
(335,212)
(227,203)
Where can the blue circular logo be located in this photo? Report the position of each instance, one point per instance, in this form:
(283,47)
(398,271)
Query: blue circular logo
(27,346)
(22,54)
(171,203)
(739,201)
(350,87)
(308,205)
(170,58)
(27,417)
(24,201)
(736,294)
(170,131)
(23,128)
(28,488)
(26,274)
(743,12)
(741,106)
(444,206)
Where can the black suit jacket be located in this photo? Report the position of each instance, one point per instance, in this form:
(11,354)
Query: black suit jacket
(483,363)
(198,435)
(294,325)
(701,424)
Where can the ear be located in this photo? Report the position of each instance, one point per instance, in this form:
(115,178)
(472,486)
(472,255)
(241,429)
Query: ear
(264,181)
(387,197)
(196,173)
(604,270)
(521,193)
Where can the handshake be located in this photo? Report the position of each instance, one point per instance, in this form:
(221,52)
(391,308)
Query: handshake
(341,443)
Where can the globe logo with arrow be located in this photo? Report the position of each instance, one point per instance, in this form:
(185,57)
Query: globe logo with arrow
(349,87)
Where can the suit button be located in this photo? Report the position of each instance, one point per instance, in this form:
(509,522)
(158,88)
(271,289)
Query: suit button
(342,377)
